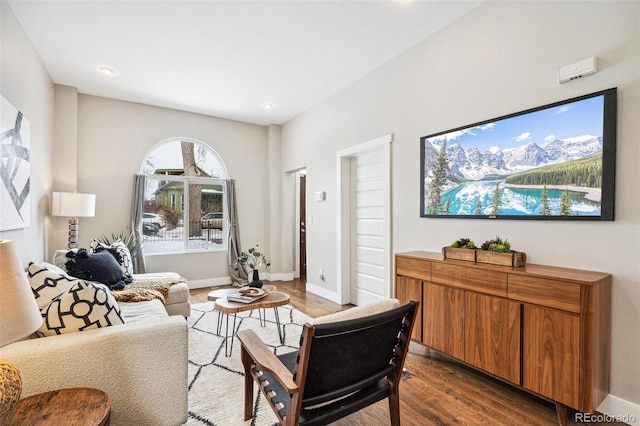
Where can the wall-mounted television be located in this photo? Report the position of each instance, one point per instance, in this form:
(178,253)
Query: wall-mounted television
(556,161)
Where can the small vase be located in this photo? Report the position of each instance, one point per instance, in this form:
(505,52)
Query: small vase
(256,280)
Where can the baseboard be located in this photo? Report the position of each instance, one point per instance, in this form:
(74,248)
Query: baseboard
(276,276)
(279,276)
(208,282)
(323,292)
(214,282)
(618,409)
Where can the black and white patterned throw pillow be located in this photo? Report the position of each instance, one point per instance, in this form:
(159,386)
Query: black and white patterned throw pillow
(84,306)
(46,284)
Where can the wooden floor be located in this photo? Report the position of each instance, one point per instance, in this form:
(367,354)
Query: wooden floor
(441,391)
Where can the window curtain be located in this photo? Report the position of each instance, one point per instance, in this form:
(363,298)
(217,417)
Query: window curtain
(137,205)
(237,273)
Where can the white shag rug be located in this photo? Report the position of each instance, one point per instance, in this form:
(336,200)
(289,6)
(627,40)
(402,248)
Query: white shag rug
(216,382)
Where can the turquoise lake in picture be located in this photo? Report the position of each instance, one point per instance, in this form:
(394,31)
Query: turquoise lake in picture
(515,201)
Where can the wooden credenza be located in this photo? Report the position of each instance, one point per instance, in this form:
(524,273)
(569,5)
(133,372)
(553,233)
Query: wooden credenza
(544,329)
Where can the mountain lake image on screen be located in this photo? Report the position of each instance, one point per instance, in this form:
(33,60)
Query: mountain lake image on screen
(551,162)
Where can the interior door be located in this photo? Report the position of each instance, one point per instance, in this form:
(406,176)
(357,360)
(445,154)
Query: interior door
(303,227)
(368,227)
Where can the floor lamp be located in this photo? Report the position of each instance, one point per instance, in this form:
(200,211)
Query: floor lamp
(73,205)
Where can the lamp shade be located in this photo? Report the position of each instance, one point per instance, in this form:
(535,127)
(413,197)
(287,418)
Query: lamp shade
(73,204)
(19,313)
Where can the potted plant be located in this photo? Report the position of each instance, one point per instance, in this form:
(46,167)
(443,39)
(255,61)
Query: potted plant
(498,252)
(253,259)
(127,237)
(462,249)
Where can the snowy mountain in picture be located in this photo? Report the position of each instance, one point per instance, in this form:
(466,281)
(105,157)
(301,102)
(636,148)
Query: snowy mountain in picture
(471,164)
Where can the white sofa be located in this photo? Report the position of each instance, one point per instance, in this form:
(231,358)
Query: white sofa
(177,301)
(142,365)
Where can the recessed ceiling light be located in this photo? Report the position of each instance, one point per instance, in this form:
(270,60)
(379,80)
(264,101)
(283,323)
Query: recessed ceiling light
(106,70)
(268,106)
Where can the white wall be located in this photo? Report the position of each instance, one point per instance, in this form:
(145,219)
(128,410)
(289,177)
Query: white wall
(26,84)
(501,58)
(114,137)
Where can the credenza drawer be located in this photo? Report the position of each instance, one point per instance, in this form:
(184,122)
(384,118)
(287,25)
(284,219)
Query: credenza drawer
(414,268)
(476,279)
(545,292)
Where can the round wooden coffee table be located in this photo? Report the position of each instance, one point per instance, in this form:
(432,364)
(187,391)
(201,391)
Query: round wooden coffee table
(226,307)
(71,406)
(224,292)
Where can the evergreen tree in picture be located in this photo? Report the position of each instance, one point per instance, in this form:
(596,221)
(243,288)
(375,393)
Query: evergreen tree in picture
(565,203)
(545,203)
(496,200)
(479,207)
(447,206)
(438,180)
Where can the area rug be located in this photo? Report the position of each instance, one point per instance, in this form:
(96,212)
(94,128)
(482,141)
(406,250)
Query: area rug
(216,382)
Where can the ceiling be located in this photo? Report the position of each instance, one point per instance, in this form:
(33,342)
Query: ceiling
(226,58)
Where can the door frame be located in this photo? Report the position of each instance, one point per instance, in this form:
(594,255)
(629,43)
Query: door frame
(344,205)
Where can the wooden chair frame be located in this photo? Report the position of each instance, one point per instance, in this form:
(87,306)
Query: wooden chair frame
(258,360)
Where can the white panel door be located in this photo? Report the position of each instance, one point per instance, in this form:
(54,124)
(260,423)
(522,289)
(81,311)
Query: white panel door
(368,254)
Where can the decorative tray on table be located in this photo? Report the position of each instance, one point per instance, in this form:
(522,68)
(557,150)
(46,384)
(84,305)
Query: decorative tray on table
(247,295)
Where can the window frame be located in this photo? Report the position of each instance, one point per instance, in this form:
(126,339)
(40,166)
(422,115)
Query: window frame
(198,180)
(217,180)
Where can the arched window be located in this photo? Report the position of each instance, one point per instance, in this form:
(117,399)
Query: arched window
(184,198)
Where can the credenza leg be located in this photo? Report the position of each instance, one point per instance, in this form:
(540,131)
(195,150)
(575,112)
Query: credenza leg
(561,412)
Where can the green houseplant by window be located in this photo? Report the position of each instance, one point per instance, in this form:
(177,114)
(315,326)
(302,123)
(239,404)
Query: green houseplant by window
(127,237)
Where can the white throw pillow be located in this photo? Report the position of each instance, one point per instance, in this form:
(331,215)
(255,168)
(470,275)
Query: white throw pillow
(47,284)
(60,258)
(358,311)
(84,306)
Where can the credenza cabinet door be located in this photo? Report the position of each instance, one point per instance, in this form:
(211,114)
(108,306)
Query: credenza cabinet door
(407,289)
(492,335)
(550,363)
(443,319)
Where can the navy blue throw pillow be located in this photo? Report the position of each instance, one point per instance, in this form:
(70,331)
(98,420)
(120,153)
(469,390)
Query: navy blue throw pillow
(101,267)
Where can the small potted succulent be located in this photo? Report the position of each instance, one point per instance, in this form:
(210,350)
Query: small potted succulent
(465,243)
(497,245)
(253,259)
(461,249)
(498,252)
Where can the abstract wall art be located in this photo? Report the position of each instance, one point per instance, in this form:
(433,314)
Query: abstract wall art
(15,168)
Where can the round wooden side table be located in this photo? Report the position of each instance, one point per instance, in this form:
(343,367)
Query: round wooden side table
(225,307)
(71,406)
(219,294)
